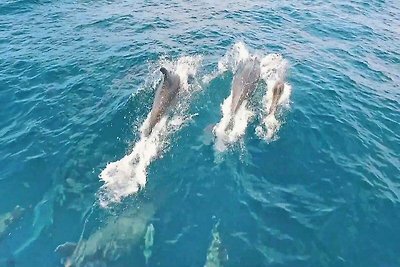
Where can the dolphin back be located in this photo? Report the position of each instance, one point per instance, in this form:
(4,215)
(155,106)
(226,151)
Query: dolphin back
(244,82)
(277,92)
(166,93)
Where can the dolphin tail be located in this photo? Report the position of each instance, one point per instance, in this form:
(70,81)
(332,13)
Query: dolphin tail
(66,249)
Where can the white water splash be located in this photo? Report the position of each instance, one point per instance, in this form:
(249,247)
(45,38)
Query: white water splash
(231,128)
(229,62)
(127,175)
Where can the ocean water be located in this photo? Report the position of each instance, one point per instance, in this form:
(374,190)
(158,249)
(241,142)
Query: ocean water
(315,184)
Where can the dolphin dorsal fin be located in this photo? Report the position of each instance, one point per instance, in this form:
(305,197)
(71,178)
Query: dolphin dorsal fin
(164,71)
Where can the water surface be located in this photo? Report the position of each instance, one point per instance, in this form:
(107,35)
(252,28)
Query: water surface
(77,81)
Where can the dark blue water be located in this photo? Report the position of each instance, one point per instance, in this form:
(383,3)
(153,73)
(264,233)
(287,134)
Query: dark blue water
(77,81)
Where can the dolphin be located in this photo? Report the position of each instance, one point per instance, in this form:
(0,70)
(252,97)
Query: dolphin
(277,92)
(148,242)
(117,237)
(217,255)
(244,82)
(165,97)
(9,218)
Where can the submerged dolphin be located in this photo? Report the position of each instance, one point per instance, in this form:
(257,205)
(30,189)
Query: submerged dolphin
(217,255)
(165,97)
(277,92)
(9,218)
(244,82)
(117,237)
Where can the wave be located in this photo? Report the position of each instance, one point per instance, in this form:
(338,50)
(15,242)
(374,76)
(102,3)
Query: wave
(127,175)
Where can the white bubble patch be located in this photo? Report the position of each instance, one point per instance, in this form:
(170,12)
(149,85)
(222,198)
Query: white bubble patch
(229,62)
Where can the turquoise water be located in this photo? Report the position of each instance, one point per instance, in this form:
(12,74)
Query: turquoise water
(77,81)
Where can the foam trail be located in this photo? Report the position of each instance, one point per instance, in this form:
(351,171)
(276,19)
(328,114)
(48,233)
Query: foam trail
(273,69)
(226,135)
(229,62)
(127,175)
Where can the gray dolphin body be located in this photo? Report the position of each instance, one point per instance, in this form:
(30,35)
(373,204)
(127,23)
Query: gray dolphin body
(165,97)
(244,82)
(116,238)
(277,92)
